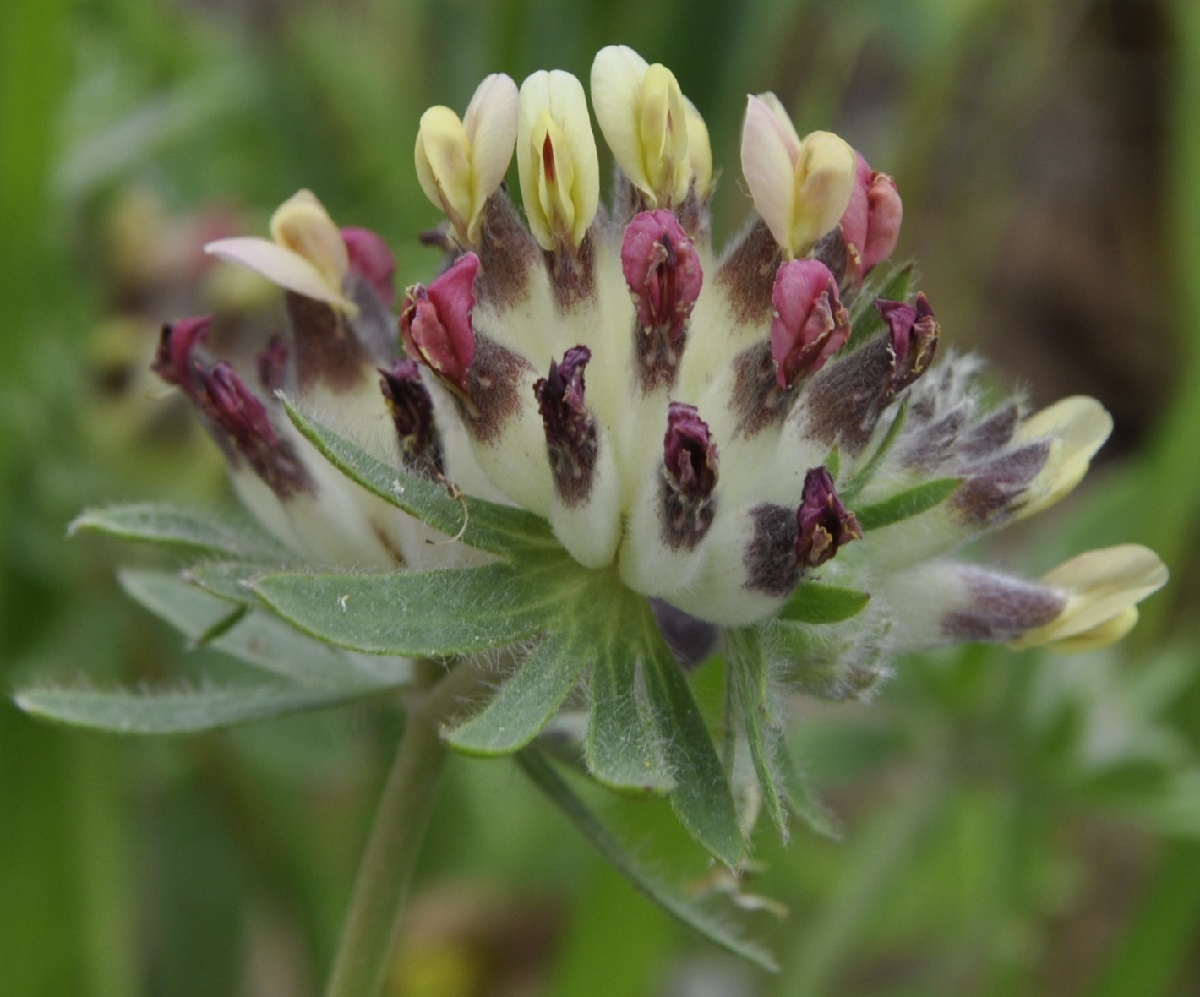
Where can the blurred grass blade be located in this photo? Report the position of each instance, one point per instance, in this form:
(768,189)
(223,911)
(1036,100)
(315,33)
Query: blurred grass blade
(714,928)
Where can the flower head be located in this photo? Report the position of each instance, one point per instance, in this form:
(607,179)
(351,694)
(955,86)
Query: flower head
(753,444)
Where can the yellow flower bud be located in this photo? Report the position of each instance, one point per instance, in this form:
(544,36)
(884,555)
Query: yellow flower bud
(646,121)
(461,163)
(800,187)
(556,159)
(308,255)
(1077,428)
(1104,588)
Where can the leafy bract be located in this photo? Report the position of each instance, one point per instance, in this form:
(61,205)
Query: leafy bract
(477,522)
(906,504)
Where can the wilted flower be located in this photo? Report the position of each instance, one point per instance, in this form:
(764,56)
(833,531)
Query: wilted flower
(756,441)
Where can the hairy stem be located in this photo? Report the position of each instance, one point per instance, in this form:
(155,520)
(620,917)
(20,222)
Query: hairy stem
(384,875)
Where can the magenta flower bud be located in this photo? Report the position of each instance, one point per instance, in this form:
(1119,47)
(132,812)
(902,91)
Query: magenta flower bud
(690,477)
(173,361)
(823,523)
(570,431)
(663,272)
(371,259)
(435,322)
(810,324)
(411,409)
(914,339)
(871,223)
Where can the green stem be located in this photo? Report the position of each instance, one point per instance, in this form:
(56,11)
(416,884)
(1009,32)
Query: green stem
(391,854)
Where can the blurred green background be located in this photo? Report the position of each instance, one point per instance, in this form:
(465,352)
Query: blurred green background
(1013,824)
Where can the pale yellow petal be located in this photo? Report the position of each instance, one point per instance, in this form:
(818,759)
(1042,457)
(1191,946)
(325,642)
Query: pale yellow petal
(281,266)
(767,167)
(824,180)
(1108,632)
(699,151)
(302,225)
(491,128)
(443,158)
(1079,426)
(617,75)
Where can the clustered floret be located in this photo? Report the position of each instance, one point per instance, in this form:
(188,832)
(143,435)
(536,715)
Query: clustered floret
(750,422)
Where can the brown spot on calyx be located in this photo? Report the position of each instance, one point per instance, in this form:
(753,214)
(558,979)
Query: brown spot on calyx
(991,433)
(847,397)
(747,273)
(571,440)
(494,383)
(572,275)
(695,217)
(507,254)
(1001,608)
(832,250)
(929,445)
(328,352)
(757,399)
(992,488)
(770,559)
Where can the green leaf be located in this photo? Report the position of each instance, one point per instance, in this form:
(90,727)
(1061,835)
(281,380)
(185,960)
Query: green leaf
(623,750)
(258,638)
(702,798)
(815,603)
(176,711)
(892,285)
(711,926)
(229,580)
(168,526)
(426,614)
(526,701)
(906,504)
(747,672)
(801,800)
(479,523)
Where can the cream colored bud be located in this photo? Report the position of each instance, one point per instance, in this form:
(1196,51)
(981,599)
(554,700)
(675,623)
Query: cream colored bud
(699,151)
(461,163)
(556,159)
(1077,427)
(645,120)
(1104,588)
(800,187)
(308,254)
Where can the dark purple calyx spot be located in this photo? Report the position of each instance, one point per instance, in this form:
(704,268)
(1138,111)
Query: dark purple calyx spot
(327,347)
(508,254)
(993,488)
(235,415)
(747,273)
(689,478)
(412,412)
(913,336)
(1000,608)
(823,524)
(664,275)
(571,444)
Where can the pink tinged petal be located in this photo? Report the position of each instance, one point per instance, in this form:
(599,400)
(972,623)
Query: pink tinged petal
(281,266)
(810,324)
(769,154)
(885,212)
(823,524)
(372,260)
(855,218)
(914,336)
(435,322)
(663,271)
